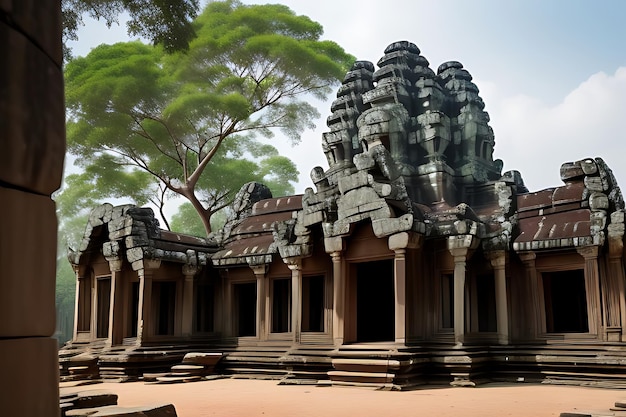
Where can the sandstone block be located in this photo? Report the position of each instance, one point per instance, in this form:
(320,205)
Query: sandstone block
(570,171)
(32,132)
(41,21)
(34,372)
(159,410)
(356,180)
(28,258)
(589,166)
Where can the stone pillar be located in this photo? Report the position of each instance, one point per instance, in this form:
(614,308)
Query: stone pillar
(189,271)
(145,322)
(339,302)
(80,283)
(261,302)
(532,326)
(616,229)
(592,287)
(461,248)
(32,140)
(399,243)
(498,262)
(116,306)
(335,246)
(296,298)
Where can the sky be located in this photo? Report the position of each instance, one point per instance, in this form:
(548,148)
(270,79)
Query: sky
(552,73)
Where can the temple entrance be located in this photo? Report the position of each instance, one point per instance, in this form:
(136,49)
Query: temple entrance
(134,309)
(565,301)
(103,292)
(164,294)
(313,303)
(244,314)
(375,306)
(281,305)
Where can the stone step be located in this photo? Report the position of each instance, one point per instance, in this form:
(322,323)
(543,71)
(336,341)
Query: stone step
(178,379)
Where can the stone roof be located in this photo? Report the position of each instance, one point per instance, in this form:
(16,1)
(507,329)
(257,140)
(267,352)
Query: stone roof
(574,215)
(131,233)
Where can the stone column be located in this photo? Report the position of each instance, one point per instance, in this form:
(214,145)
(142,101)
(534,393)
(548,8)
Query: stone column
(116,306)
(460,248)
(80,283)
(616,229)
(32,140)
(296,298)
(261,302)
(399,243)
(592,287)
(189,272)
(335,246)
(532,326)
(145,322)
(498,262)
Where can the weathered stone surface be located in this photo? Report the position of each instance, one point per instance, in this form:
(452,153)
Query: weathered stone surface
(33,141)
(27,282)
(30,376)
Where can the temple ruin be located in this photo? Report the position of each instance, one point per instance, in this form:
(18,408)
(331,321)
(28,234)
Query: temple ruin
(413,259)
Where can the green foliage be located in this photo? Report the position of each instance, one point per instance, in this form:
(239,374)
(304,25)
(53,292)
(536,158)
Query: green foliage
(187,120)
(164,22)
(186,221)
(65,296)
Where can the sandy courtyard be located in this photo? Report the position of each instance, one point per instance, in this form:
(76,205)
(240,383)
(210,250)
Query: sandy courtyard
(241,397)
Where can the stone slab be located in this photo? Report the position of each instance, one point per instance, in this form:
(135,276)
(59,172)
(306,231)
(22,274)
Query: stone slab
(28,257)
(158,410)
(32,132)
(29,366)
(41,21)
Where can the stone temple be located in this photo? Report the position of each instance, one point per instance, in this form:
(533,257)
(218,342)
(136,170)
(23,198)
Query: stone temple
(413,259)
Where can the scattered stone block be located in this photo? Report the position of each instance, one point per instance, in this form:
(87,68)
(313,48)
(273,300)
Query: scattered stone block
(159,410)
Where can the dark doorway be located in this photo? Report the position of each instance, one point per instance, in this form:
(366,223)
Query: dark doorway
(244,297)
(375,306)
(447,301)
(204,307)
(164,292)
(486,303)
(134,309)
(84,305)
(104,304)
(281,305)
(313,303)
(565,301)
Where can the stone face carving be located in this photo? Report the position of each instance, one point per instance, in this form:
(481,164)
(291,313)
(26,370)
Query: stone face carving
(424,141)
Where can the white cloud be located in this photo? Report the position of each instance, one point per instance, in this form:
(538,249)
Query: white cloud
(536,139)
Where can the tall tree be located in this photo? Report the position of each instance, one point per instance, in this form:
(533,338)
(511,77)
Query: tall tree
(164,22)
(249,71)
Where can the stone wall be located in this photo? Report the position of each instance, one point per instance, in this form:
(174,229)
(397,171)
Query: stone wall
(32,148)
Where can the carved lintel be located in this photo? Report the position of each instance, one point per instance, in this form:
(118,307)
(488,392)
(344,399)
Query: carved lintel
(115,264)
(189,271)
(334,244)
(498,258)
(336,256)
(527,257)
(405,240)
(260,269)
(588,252)
(294,264)
(462,247)
(151,263)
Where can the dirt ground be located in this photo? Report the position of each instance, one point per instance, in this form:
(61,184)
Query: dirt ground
(242,397)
